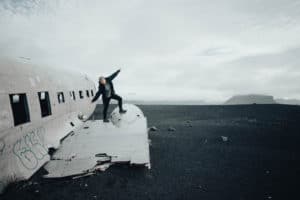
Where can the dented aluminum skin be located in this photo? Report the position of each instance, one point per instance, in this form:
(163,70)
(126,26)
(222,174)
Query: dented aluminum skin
(24,148)
(97,145)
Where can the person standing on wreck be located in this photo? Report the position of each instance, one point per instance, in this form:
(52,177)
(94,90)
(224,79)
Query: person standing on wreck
(106,89)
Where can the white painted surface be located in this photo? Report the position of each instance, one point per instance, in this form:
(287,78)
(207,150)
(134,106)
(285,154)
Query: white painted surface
(24,148)
(123,140)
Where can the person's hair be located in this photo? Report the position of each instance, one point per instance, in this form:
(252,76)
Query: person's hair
(101,77)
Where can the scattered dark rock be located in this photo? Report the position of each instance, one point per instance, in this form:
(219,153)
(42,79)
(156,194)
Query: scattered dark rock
(172,129)
(188,123)
(224,138)
(153,128)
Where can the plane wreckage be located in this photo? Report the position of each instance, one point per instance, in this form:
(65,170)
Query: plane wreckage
(46,109)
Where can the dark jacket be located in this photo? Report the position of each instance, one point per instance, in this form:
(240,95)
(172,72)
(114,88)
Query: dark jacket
(101,88)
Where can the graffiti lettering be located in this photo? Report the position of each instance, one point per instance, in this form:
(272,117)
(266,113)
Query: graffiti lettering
(33,141)
(30,149)
(25,155)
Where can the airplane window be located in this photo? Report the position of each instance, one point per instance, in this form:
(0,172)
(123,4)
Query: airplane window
(45,103)
(88,93)
(60,97)
(92,93)
(74,97)
(81,94)
(20,108)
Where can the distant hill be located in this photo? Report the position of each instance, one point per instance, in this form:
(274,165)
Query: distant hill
(250,99)
(288,101)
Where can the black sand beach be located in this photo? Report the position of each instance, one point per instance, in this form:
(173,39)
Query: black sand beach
(256,159)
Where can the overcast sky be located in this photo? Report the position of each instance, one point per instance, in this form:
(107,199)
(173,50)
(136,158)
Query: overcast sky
(167,49)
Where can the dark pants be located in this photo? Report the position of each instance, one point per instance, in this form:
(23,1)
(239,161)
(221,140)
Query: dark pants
(106,104)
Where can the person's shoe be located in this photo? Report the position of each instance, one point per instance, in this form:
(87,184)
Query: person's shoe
(105,120)
(122,111)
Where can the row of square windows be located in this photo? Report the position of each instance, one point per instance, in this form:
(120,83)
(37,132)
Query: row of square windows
(61,96)
(20,107)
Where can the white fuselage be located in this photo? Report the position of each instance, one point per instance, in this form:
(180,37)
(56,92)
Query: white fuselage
(51,113)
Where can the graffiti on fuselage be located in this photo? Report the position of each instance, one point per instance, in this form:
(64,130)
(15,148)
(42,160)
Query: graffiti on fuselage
(30,149)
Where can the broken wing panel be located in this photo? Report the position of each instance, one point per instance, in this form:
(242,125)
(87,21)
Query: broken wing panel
(97,145)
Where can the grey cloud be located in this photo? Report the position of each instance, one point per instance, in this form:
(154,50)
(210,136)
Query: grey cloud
(200,49)
(216,51)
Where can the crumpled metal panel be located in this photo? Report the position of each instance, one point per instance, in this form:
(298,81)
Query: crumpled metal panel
(124,139)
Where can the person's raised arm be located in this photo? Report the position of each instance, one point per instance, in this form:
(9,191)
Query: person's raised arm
(111,77)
